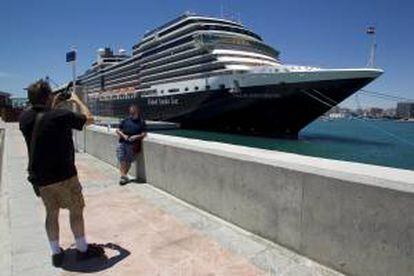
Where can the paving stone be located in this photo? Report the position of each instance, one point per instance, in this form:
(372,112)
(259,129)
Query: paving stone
(26,262)
(272,262)
(236,242)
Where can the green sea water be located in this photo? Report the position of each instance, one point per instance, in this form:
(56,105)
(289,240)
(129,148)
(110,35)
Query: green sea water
(379,142)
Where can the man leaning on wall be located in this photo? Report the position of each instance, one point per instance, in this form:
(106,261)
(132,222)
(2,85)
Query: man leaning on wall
(47,130)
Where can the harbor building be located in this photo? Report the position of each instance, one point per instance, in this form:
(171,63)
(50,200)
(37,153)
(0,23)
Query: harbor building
(4,99)
(405,110)
(375,112)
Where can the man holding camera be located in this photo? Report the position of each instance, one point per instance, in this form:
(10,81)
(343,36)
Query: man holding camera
(47,130)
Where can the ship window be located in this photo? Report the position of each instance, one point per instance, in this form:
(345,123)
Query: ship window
(222,86)
(173,90)
(196,88)
(187,22)
(166,46)
(207,87)
(162,91)
(231,29)
(186,89)
(239,43)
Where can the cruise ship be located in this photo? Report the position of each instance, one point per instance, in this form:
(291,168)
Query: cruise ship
(213,73)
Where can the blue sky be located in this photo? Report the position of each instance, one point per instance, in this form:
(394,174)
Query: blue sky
(36,34)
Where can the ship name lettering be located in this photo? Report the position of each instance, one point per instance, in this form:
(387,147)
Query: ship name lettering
(168,101)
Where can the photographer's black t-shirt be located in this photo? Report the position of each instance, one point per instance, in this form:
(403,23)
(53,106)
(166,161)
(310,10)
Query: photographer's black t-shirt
(54,154)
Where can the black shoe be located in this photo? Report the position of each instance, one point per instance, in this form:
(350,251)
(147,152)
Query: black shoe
(93,251)
(124,180)
(57,259)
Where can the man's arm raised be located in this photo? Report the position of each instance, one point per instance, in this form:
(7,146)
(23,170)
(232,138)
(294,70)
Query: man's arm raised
(83,109)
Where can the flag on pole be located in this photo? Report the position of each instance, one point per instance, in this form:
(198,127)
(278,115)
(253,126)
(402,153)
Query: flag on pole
(71,56)
(371,30)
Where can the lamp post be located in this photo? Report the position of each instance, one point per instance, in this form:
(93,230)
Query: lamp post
(71,57)
(371,32)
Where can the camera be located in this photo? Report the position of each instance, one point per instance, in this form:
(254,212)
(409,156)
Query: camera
(66,94)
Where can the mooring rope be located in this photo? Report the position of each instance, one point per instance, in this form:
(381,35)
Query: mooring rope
(403,140)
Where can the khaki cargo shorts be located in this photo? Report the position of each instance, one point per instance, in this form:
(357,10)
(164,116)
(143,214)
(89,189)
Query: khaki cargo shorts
(66,194)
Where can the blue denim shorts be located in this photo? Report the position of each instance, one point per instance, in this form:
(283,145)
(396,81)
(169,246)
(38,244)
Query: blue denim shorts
(125,153)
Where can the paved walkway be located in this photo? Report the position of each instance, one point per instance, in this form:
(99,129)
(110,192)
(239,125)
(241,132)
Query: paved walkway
(145,231)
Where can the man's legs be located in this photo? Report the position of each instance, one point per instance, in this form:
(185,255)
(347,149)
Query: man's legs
(52,229)
(85,250)
(51,204)
(76,205)
(77,225)
(124,168)
(68,195)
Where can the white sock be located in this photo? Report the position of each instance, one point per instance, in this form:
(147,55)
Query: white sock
(54,246)
(81,244)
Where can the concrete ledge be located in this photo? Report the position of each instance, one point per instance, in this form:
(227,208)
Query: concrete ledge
(352,217)
(370,174)
(151,125)
(5,241)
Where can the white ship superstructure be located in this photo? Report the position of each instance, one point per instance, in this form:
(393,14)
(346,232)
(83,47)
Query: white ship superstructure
(181,57)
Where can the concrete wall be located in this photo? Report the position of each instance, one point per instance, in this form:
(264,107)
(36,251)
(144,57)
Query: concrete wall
(355,218)
(2,135)
(101,143)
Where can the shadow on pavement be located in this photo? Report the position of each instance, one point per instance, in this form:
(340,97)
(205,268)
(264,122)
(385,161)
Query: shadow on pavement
(135,181)
(96,264)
